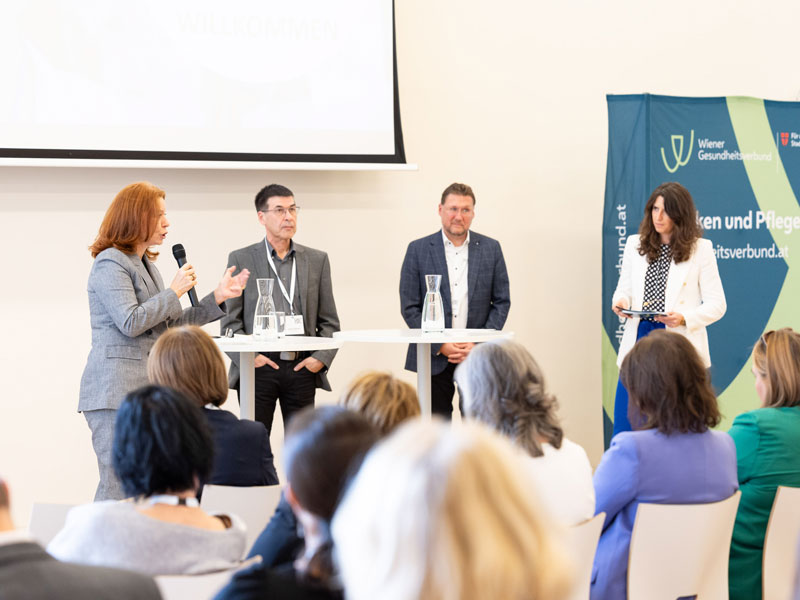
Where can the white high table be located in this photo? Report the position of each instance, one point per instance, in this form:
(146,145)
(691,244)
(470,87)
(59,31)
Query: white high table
(423,340)
(247,348)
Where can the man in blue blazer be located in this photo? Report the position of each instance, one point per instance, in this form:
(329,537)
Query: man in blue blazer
(474,287)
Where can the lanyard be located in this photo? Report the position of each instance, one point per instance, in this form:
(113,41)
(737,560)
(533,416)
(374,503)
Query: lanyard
(290,296)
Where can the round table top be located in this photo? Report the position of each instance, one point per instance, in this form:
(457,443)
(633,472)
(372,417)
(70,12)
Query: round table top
(246,343)
(417,336)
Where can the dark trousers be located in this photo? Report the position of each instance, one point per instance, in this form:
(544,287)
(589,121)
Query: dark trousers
(442,391)
(294,389)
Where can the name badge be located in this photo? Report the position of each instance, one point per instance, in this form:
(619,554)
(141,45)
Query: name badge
(294,325)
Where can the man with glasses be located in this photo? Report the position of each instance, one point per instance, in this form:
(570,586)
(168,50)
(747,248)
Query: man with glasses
(302,291)
(474,287)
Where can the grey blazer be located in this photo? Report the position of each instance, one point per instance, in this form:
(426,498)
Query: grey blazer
(129,308)
(27,571)
(316,300)
(487,285)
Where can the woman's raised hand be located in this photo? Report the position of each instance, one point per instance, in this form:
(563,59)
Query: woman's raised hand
(230,286)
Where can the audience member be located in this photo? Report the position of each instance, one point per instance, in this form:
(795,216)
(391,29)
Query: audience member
(503,387)
(162,449)
(386,402)
(441,513)
(671,457)
(28,572)
(323,448)
(187,360)
(768,453)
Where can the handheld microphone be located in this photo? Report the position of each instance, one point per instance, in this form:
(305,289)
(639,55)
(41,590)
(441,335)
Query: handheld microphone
(180,255)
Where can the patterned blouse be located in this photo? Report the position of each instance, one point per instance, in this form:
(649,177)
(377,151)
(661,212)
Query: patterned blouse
(655,281)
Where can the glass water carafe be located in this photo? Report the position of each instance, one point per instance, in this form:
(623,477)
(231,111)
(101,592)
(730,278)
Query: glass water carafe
(264,322)
(432,309)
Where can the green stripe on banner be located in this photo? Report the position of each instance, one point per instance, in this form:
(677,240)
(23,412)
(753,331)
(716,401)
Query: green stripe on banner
(773,192)
(610,375)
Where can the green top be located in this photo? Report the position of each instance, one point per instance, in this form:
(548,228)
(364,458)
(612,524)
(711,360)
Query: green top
(768,455)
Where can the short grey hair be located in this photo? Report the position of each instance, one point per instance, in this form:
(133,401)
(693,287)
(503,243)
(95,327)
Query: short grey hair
(503,386)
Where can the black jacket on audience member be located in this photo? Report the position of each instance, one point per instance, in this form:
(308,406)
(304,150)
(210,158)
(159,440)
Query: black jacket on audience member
(279,583)
(27,571)
(242,453)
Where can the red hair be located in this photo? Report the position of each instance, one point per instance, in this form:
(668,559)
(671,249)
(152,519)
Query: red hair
(130,219)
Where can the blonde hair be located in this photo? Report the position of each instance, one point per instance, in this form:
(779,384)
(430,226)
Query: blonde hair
(187,360)
(776,356)
(383,399)
(442,513)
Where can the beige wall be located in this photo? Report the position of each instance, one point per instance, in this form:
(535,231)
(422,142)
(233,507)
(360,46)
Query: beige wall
(506,96)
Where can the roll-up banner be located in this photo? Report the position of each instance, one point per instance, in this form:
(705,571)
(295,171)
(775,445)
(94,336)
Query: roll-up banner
(740,159)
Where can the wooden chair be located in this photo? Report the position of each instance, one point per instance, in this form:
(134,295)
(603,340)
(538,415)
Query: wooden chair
(681,550)
(780,545)
(47,520)
(582,541)
(254,505)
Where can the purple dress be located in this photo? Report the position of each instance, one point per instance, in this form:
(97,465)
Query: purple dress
(648,466)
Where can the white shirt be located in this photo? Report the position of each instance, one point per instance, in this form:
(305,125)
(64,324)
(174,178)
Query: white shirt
(457,258)
(563,478)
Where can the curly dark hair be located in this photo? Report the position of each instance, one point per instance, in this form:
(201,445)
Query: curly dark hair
(162,442)
(668,385)
(504,388)
(678,204)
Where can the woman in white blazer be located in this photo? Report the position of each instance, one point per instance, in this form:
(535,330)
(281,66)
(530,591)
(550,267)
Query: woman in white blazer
(129,307)
(667,268)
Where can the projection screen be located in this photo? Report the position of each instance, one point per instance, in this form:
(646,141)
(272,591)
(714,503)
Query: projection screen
(239,80)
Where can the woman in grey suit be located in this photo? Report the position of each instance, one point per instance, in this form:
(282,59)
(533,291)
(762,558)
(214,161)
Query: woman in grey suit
(129,307)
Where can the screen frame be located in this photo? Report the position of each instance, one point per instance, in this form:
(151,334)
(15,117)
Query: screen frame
(398,157)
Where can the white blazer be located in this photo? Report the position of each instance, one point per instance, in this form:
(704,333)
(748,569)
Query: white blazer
(694,290)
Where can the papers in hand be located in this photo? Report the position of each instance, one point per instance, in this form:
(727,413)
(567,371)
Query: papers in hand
(642,313)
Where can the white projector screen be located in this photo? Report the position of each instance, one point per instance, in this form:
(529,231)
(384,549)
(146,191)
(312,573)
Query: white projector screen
(239,80)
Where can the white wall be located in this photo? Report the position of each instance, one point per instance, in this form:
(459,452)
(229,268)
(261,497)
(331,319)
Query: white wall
(508,97)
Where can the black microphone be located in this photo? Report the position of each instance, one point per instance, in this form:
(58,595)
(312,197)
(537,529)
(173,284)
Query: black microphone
(180,255)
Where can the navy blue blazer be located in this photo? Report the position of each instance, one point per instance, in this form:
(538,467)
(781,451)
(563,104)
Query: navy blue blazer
(489,297)
(242,453)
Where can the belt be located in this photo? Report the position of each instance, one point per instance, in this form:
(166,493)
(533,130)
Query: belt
(285,355)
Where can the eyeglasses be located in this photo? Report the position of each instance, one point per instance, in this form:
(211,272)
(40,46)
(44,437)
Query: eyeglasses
(454,210)
(281,211)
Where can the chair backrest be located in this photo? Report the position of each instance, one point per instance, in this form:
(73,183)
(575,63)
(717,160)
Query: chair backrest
(47,520)
(582,541)
(196,587)
(254,505)
(681,550)
(780,545)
